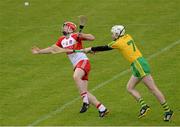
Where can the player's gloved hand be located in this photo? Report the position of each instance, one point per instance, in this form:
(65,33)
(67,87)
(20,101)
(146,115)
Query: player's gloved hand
(35,50)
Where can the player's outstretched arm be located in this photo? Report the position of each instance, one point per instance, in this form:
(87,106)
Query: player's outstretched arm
(101,48)
(37,50)
(54,49)
(96,49)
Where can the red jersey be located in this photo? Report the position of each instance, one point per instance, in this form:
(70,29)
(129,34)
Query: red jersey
(73,42)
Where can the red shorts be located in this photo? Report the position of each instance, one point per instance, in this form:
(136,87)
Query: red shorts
(84,65)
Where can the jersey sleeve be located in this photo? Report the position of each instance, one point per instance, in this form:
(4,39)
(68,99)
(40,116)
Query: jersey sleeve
(77,38)
(112,44)
(101,48)
(58,43)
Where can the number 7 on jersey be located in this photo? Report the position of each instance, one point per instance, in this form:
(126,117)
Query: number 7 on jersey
(131,42)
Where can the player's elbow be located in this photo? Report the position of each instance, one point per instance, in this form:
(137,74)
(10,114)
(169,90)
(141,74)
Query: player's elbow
(90,37)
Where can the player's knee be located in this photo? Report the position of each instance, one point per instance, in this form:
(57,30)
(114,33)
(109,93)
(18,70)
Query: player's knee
(129,88)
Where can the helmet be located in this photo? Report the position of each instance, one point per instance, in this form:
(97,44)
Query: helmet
(118,30)
(71,27)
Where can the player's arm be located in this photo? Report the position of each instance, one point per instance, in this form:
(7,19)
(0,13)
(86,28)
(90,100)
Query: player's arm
(54,49)
(88,37)
(101,48)
(95,49)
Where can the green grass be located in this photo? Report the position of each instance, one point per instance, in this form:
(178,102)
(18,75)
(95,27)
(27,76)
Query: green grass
(34,86)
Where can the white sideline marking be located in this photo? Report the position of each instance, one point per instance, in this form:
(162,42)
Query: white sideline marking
(60,109)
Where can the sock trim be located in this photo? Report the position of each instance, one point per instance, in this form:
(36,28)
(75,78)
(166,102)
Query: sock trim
(98,105)
(165,107)
(83,93)
(142,102)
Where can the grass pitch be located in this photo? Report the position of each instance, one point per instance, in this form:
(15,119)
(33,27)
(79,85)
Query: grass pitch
(39,90)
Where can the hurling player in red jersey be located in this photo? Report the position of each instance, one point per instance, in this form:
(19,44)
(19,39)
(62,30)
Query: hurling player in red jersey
(69,43)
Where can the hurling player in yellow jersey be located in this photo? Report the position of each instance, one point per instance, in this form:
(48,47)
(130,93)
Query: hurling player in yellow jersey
(125,44)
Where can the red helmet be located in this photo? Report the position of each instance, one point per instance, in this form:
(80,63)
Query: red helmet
(70,25)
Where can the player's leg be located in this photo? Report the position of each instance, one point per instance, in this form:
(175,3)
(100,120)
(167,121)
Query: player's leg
(101,108)
(87,96)
(140,68)
(149,82)
(81,78)
(82,87)
(92,99)
(133,81)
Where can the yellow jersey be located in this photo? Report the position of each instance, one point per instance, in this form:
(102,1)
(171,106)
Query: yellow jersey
(127,47)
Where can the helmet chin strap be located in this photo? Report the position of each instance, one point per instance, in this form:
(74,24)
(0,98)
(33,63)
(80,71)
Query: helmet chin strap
(120,34)
(116,37)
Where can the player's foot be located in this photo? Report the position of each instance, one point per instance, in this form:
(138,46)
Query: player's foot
(84,107)
(143,111)
(103,113)
(168,115)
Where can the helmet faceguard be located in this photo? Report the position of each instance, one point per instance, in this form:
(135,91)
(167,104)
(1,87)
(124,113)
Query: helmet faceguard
(118,31)
(68,28)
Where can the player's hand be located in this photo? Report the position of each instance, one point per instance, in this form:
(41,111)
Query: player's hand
(80,35)
(88,50)
(35,50)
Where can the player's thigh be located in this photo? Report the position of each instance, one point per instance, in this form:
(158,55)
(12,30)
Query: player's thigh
(149,82)
(81,84)
(133,81)
(78,73)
